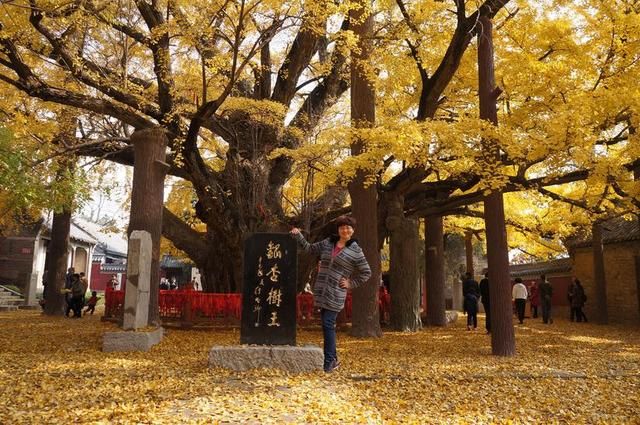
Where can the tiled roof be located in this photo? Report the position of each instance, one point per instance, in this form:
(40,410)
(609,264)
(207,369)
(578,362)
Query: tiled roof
(618,229)
(113,268)
(109,242)
(76,233)
(543,267)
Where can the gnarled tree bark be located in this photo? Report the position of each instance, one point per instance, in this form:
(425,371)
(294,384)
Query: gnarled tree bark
(405,282)
(57,259)
(364,199)
(502,333)
(434,271)
(147,199)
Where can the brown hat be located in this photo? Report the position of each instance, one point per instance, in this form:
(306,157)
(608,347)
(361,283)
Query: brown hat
(345,220)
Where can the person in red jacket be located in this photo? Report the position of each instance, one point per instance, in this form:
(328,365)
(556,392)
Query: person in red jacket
(91,303)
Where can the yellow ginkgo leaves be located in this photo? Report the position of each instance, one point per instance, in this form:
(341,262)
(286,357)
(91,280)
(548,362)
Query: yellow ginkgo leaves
(52,371)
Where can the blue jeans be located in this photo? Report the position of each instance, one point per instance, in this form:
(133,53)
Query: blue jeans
(329,332)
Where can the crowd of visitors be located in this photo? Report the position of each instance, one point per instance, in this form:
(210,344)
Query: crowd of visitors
(75,288)
(172,284)
(74,291)
(537,294)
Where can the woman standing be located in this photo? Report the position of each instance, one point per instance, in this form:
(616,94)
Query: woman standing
(342,266)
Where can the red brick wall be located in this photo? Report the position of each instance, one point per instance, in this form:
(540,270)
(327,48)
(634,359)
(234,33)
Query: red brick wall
(620,275)
(98,280)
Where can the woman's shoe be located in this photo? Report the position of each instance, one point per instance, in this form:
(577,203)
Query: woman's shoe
(335,364)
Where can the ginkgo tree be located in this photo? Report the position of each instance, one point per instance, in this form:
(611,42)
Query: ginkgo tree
(233,82)
(210,73)
(561,70)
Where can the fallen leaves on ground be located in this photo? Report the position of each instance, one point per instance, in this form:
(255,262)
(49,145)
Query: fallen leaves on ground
(52,371)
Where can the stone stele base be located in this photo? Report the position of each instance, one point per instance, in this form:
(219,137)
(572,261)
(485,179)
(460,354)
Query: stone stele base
(291,359)
(131,340)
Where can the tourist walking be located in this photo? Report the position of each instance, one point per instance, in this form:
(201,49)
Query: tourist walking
(519,295)
(342,266)
(486,301)
(68,278)
(68,282)
(577,299)
(77,296)
(470,294)
(546,294)
(570,291)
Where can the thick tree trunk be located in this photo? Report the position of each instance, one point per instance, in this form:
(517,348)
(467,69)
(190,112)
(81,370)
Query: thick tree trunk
(57,260)
(58,256)
(147,201)
(224,263)
(434,271)
(502,334)
(468,250)
(636,259)
(209,274)
(405,282)
(602,314)
(366,318)
(365,322)
(636,177)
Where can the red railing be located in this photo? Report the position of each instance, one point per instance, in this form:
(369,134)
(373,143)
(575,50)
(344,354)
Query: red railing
(189,306)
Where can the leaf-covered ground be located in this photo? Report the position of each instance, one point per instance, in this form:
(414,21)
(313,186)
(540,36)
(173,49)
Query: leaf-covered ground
(52,371)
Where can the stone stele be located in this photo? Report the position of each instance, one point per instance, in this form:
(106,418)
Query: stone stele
(136,297)
(308,358)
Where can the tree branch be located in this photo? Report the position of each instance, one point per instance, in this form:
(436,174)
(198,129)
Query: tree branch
(303,48)
(161,60)
(125,29)
(183,237)
(66,59)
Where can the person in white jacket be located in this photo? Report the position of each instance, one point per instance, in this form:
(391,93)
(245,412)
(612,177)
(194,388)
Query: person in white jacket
(519,295)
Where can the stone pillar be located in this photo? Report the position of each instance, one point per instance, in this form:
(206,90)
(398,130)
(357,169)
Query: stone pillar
(136,299)
(90,266)
(457,295)
(30,289)
(33,279)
